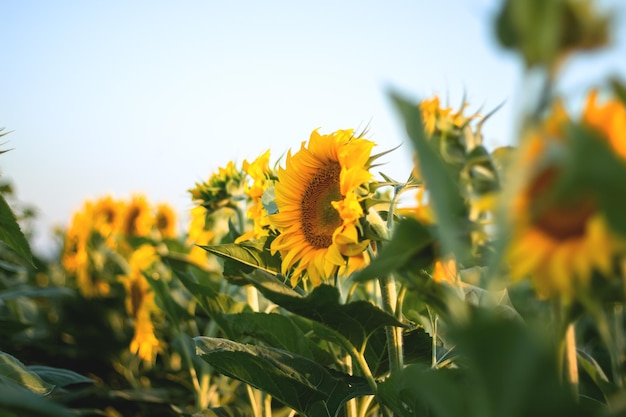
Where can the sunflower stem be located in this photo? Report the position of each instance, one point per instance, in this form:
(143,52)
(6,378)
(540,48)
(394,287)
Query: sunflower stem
(571,358)
(394,334)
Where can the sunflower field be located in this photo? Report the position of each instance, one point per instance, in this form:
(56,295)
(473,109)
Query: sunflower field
(487,282)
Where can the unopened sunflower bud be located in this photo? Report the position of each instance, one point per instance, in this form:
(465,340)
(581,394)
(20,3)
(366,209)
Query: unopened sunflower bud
(376,224)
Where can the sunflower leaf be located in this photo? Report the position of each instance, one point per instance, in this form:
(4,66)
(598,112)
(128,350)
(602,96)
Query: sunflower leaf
(11,234)
(242,258)
(278,331)
(298,382)
(443,189)
(355,320)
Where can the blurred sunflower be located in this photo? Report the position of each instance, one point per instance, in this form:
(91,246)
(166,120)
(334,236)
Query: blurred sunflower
(140,303)
(559,244)
(166,221)
(107,214)
(318,205)
(222,189)
(137,220)
(198,235)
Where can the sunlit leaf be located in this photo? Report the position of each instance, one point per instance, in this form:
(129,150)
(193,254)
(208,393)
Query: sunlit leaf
(11,234)
(296,381)
(242,258)
(12,371)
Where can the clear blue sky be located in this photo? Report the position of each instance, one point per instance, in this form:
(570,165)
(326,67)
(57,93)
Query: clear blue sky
(116,97)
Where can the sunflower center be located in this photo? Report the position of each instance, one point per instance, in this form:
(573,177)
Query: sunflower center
(560,221)
(319,219)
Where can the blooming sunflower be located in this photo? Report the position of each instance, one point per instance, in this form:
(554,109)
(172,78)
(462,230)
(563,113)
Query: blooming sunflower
(318,205)
(559,244)
(262,177)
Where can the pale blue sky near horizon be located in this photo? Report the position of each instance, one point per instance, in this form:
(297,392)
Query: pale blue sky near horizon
(113,97)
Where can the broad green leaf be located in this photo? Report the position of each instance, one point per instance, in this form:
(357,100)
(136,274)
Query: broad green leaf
(60,377)
(355,320)
(277,331)
(18,402)
(420,391)
(443,189)
(12,371)
(242,258)
(409,247)
(11,234)
(296,381)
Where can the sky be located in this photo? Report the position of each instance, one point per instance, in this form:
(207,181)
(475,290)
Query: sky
(151,96)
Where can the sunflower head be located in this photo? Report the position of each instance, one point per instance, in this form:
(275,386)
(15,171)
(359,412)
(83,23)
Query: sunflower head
(318,195)
(166,221)
(221,189)
(263,178)
(137,219)
(559,243)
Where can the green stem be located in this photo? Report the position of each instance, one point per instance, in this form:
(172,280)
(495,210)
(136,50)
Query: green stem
(394,333)
(617,350)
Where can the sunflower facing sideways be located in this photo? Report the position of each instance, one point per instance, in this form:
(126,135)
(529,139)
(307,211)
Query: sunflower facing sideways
(318,200)
(560,244)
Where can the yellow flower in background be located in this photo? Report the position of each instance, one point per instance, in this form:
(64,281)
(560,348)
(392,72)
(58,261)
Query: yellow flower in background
(165,220)
(318,205)
(198,234)
(107,215)
(559,244)
(445,270)
(262,176)
(137,219)
(140,303)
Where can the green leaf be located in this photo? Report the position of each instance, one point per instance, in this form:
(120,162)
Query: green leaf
(12,371)
(11,234)
(35,292)
(409,241)
(298,382)
(278,331)
(420,391)
(60,377)
(447,203)
(355,320)
(245,257)
(18,402)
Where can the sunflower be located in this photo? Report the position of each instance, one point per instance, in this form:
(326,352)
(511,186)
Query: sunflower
(198,235)
(262,178)
(137,220)
(166,221)
(317,196)
(140,303)
(560,244)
